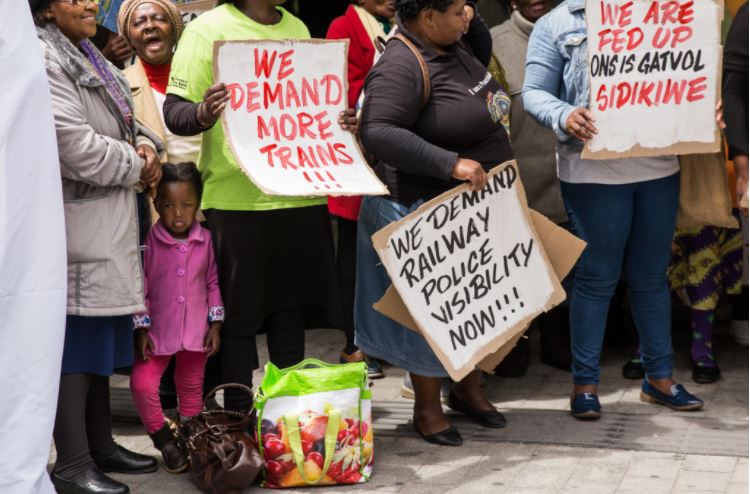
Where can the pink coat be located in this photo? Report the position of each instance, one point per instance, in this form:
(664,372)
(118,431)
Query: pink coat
(182,290)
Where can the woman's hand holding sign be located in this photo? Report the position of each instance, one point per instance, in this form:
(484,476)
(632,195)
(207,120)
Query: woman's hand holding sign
(214,101)
(348,120)
(580,124)
(471,171)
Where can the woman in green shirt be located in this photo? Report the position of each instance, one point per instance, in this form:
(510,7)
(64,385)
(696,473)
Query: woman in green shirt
(275,253)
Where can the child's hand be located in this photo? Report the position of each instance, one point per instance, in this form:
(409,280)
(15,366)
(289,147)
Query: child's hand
(212,343)
(143,344)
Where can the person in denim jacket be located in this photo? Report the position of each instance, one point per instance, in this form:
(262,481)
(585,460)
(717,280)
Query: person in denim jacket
(625,209)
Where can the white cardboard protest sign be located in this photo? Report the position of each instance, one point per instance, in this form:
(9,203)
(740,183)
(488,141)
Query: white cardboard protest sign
(281,121)
(654,71)
(563,250)
(470,268)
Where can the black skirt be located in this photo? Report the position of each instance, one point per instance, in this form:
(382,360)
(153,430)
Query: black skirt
(273,261)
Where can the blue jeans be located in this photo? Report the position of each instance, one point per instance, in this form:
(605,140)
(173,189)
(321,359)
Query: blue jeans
(629,231)
(375,334)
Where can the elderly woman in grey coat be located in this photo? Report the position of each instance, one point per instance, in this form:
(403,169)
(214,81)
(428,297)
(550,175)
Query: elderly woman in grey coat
(104,155)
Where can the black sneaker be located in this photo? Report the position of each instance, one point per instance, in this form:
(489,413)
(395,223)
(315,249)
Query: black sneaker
(706,374)
(633,369)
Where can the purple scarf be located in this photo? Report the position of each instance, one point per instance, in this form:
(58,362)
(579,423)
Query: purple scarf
(111,85)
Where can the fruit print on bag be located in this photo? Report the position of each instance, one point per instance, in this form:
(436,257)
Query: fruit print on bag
(351,441)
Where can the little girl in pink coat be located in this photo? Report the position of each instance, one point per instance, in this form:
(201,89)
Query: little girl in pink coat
(184,309)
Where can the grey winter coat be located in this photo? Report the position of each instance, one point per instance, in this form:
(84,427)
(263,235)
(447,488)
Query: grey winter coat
(534,146)
(100,170)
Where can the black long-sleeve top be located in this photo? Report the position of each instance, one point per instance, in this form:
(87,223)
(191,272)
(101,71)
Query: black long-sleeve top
(734,90)
(466,115)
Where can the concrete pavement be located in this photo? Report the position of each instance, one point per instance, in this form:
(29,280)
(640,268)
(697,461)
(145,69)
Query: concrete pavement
(635,448)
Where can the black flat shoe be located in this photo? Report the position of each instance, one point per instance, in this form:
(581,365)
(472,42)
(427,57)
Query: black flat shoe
(92,481)
(486,418)
(706,375)
(124,461)
(633,369)
(447,437)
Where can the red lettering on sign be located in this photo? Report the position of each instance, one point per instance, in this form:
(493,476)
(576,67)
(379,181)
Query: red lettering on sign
(673,36)
(291,125)
(252,94)
(236,95)
(621,15)
(326,154)
(284,154)
(285,67)
(646,93)
(671,12)
(268,130)
(263,64)
(619,39)
(305,122)
(287,127)
(696,89)
(343,157)
(267,150)
(674,91)
(306,160)
(334,89)
(310,93)
(271,95)
(324,123)
(291,94)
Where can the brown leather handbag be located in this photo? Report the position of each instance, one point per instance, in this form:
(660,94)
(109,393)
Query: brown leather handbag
(223,456)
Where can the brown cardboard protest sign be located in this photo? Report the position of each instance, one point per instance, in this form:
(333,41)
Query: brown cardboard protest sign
(281,121)
(563,250)
(654,69)
(470,269)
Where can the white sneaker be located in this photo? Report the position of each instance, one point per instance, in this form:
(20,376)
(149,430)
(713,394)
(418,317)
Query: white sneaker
(739,331)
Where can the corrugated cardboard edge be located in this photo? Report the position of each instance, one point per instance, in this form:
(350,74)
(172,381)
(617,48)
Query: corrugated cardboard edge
(394,307)
(683,147)
(563,249)
(291,42)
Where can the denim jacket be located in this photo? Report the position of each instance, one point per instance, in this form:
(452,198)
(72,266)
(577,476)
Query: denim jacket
(556,80)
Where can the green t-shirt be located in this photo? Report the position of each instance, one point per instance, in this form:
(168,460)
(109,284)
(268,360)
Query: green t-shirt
(225,186)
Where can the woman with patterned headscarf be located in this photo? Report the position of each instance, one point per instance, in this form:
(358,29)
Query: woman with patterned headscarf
(153,27)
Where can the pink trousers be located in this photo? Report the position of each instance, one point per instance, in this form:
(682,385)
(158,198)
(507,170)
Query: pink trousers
(188,376)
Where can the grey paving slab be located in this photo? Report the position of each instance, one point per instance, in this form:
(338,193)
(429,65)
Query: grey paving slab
(635,448)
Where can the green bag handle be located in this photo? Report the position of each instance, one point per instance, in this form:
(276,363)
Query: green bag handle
(314,363)
(309,363)
(295,443)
